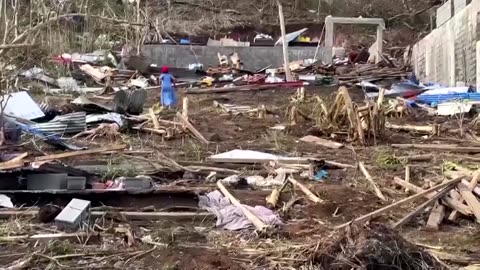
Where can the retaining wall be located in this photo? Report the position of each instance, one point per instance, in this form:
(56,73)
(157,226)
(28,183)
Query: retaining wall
(448,55)
(254,58)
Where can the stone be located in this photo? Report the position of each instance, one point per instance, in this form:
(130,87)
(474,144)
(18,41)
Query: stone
(138,182)
(75,215)
(76,182)
(45,181)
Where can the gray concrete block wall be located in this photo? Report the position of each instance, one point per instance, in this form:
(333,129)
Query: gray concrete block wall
(254,58)
(449,54)
(459,5)
(444,13)
(460,32)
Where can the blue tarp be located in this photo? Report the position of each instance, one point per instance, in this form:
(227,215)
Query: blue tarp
(437,99)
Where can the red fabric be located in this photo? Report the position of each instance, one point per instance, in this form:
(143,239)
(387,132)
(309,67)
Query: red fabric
(352,56)
(165,69)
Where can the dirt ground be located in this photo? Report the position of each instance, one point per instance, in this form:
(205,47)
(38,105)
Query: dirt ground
(198,245)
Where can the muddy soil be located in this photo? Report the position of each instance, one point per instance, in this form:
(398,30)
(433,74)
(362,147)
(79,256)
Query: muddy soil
(346,193)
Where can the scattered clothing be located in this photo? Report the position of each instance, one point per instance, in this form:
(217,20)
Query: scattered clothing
(230,217)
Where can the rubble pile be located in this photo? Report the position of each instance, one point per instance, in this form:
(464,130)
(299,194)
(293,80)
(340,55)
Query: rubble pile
(136,160)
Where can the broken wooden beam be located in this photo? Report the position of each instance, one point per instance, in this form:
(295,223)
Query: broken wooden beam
(448,201)
(185,107)
(436,216)
(413,158)
(130,215)
(81,153)
(248,214)
(323,142)
(401,202)
(75,237)
(272,199)
(471,200)
(472,185)
(374,185)
(192,129)
(424,205)
(152,130)
(156,124)
(407,176)
(430,130)
(305,190)
(439,147)
(16,162)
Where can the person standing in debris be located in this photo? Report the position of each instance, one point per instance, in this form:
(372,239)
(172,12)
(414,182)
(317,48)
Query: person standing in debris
(168,97)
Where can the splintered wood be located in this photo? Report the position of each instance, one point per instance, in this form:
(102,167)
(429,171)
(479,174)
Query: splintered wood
(460,198)
(412,198)
(362,122)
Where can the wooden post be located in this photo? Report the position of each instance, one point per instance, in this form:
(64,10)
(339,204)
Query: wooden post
(262,111)
(407,175)
(288,75)
(301,93)
(185,107)
(293,116)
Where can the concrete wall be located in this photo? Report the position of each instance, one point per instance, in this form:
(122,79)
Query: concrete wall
(444,13)
(449,54)
(254,58)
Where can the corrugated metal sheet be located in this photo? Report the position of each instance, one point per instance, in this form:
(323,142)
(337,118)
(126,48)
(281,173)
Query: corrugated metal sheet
(136,100)
(65,124)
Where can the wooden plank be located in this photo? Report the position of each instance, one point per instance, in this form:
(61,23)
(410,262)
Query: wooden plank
(401,202)
(367,175)
(471,186)
(127,214)
(156,124)
(424,205)
(16,162)
(47,237)
(407,175)
(272,199)
(471,200)
(319,141)
(474,188)
(440,147)
(192,129)
(305,190)
(436,217)
(81,153)
(153,130)
(288,74)
(450,202)
(251,216)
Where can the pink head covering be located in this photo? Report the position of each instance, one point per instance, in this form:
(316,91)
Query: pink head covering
(164,69)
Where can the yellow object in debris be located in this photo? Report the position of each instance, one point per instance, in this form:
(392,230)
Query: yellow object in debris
(157,108)
(304,39)
(208,81)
